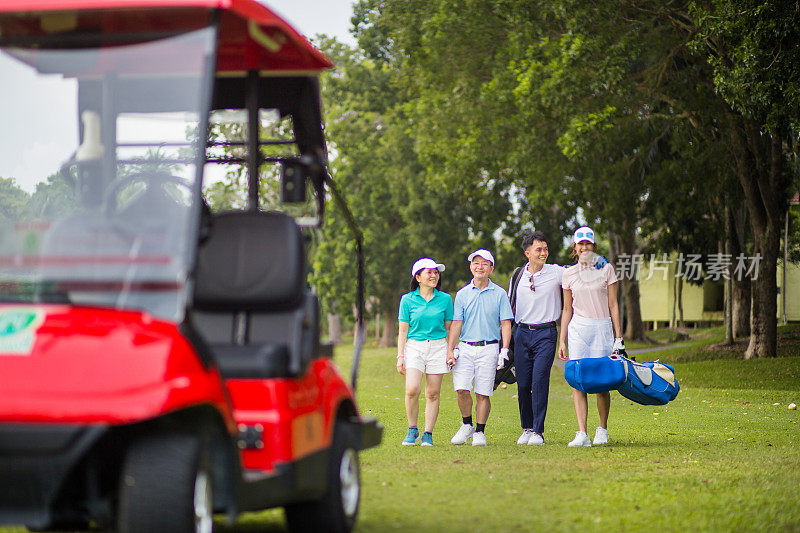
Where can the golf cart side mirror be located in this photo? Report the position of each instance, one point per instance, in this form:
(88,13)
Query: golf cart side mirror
(294,173)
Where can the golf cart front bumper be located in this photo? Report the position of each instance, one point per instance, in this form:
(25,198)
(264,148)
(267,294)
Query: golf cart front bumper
(369,433)
(35,461)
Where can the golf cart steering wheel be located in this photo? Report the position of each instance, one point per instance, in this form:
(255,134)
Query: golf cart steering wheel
(154,190)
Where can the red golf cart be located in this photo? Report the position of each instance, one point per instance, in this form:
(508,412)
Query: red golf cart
(160,360)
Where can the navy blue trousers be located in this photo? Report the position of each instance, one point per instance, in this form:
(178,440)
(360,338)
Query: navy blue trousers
(534,351)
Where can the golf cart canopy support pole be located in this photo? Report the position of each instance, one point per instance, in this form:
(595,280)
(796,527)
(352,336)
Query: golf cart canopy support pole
(253,149)
(359,237)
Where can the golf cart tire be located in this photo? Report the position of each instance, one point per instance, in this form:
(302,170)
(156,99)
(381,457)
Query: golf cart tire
(159,483)
(337,510)
(77,525)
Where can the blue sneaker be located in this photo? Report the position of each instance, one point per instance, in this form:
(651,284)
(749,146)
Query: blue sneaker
(427,439)
(411,437)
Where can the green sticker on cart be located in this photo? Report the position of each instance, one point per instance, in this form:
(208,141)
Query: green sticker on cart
(18,326)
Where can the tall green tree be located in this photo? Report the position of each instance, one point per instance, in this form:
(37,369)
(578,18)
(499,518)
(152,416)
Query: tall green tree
(580,99)
(404,212)
(752,48)
(534,96)
(13,200)
(450,59)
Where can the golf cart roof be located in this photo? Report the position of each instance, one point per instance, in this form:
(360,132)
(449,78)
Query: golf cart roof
(251,36)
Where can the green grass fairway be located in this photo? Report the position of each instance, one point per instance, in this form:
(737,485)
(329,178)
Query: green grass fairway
(721,457)
(724,456)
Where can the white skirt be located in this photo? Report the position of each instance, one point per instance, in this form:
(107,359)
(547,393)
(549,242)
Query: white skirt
(589,337)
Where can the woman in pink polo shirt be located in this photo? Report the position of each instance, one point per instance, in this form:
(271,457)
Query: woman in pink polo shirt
(590,324)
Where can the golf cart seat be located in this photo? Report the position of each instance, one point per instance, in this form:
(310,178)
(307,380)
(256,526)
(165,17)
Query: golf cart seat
(251,304)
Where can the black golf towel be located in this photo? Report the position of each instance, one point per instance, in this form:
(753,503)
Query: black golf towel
(507,374)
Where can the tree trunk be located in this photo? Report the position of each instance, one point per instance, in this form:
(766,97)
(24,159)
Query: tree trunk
(680,302)
(764,177)
(635,326)
(634,329)
(389,334)
(741,307)
(740,290)
(674,322)
(764,304)
(785,263)
(725,248)
(334,329)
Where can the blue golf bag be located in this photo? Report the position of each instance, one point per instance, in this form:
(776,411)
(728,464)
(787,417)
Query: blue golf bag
(596,374)
(649,383)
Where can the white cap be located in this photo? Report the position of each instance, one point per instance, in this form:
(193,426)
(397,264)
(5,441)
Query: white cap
(426,262)
(486,254)
(584,233)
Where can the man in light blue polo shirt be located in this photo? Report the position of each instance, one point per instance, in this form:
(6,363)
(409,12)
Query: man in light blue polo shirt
(482,328)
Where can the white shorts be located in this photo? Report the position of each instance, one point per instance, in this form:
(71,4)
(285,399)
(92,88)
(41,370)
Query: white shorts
(429,357)
(589,337)
(476,364)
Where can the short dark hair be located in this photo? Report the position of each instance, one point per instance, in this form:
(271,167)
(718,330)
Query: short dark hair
(529,237)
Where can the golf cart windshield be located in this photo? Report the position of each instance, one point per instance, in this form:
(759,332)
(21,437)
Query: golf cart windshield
(98,171)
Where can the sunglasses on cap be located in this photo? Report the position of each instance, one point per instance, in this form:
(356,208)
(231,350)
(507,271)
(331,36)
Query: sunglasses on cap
(584,235)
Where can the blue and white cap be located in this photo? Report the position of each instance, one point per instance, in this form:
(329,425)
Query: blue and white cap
(584,233)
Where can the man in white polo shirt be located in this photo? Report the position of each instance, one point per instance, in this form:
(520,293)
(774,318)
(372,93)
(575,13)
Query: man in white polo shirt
(536,311)
(482,321)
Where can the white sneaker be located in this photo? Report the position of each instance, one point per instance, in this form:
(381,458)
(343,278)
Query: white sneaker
(525,437)
(581,439)
(463,433)
(479,438)
(600,436)
(536,440)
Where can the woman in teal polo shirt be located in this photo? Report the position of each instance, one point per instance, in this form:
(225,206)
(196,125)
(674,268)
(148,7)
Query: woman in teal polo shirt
(424,321)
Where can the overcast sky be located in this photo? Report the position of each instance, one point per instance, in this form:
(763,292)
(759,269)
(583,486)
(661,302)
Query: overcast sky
(310,17)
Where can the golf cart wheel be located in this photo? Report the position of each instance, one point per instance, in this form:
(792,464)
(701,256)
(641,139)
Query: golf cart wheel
(337,510)
(165,485)
(57,525)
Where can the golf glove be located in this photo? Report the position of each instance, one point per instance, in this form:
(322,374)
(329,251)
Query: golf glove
(502,358)
(452,363)
(619,347)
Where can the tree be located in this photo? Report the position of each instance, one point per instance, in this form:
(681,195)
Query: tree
(52,198)
(608,83)
(13,200)
(752,48)
(402,211)
(533,97)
